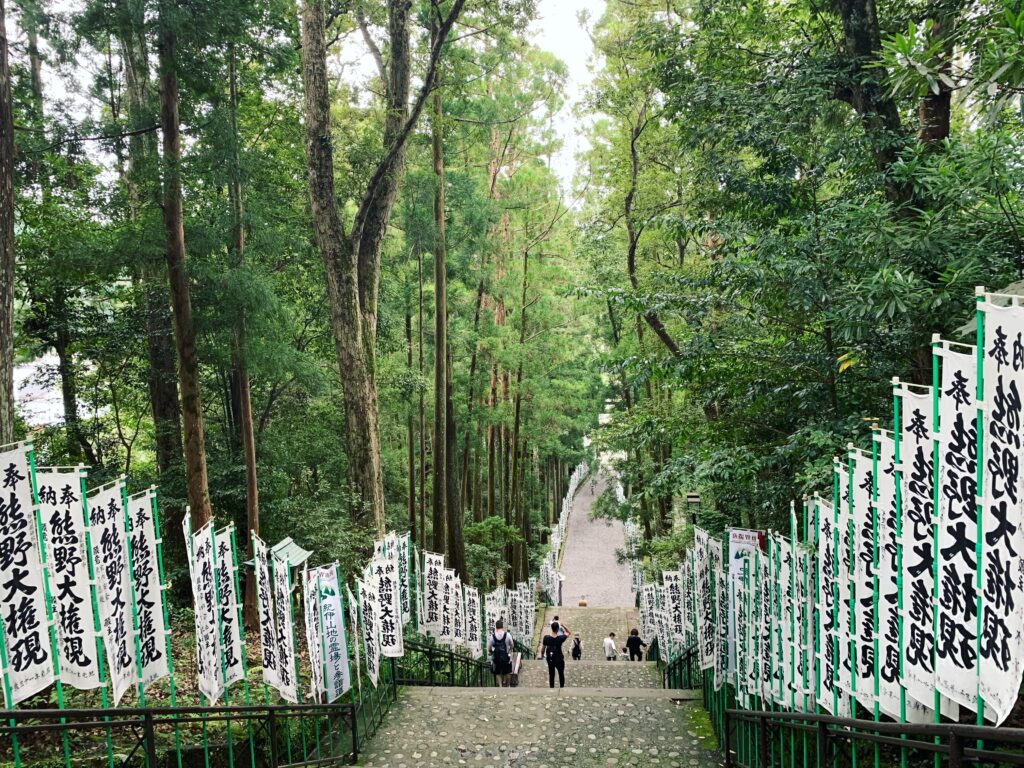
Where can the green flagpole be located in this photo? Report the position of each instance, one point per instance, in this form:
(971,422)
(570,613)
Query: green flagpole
(104,701)
(220,635)
(836,501)
(131,573)
(792,627)
(49,600)
(937,701)
(158,532)
(851,572)
(978,501)
(189,544)
(241,631)
(874,566)
(897,421)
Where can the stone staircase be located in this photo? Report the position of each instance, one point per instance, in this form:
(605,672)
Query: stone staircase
(594,674)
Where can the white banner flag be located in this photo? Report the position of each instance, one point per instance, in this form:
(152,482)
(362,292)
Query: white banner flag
(389,601)
(113,586)
(861,509)
(433,567)
(956,662)
(404,560)
(26,636)
(353,609)
(672,581)
(314,640)
(1002,569)
(227,606)
(368,614)
(473,638)
(446,634)
(208,641)
(265,606)
(64,526)
(286,666)
(332,627)
(844,580)
(149,592)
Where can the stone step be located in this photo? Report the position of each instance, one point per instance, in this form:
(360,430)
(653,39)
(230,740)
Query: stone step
(599,728)
(594,674)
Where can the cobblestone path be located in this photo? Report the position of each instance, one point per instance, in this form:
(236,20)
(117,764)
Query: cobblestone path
(594,674)
(588,558)
(432,727)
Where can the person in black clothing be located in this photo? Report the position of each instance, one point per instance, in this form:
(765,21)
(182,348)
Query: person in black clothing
(553,653)
(633,645)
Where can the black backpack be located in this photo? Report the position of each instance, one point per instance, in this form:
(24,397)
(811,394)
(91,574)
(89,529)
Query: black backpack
(499,652)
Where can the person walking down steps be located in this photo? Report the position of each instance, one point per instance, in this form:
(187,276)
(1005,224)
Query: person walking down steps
(610,651)
(577,647)
(499,647)
(553,654)
(633,645)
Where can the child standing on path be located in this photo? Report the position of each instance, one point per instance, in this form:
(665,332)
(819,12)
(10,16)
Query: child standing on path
(553,653)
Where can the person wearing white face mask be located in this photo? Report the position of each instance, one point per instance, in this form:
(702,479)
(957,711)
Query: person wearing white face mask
(499,648)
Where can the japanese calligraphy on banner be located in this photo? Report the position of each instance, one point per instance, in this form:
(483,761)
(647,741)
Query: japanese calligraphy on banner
(888,513)
(473,638)
(844,579)
(368,614)
(672,581)
(113,585)
(956,663)
(742,546)
(916,427)
(311,614)
(208,641)
(446,632)
(433,565)
(721,625)
(148,591)
(404,547)
(458,614)
(1002,569)
(286,664)
(705,606)
(30,663)
(385,572)
(353,605)
(332,627)
(861,509)
(62,515)
(228,605)
(265,609)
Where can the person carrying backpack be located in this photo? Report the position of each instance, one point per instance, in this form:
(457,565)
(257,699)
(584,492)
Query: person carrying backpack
(499,648)
(553,653)
(577,648)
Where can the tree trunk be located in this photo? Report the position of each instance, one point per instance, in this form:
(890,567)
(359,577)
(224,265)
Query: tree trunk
(422,414)
(6,241)
(340,262)
(177,274)
(456,544)
(439,457)
(410,435)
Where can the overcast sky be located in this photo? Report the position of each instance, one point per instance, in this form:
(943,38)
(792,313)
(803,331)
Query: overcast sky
(559,32)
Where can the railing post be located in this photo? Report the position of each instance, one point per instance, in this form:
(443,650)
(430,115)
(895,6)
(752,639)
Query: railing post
(430,663)
(149,735)
(355,737)
(956,750)
(823,745)
(726,741)
(272,728)
(762,741)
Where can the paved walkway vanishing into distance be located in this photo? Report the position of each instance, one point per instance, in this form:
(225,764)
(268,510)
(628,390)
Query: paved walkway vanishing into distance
(610,714)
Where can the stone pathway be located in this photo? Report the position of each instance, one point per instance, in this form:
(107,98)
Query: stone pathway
(594,674)
(588,558)
(433,727)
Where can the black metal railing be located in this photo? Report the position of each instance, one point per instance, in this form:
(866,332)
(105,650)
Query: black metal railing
(683,671)
(246,736)
(760,739)
(425,664)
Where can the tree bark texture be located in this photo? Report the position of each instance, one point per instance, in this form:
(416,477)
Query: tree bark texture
(6,240)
